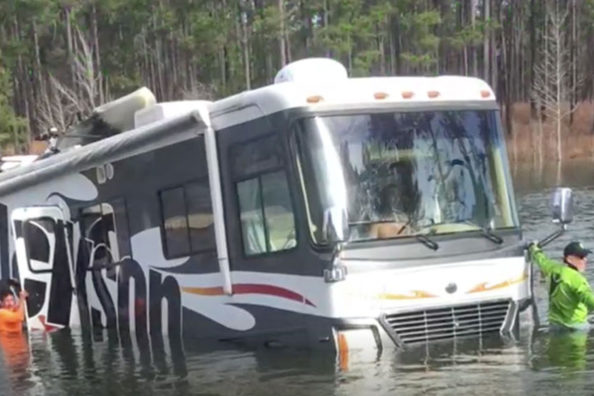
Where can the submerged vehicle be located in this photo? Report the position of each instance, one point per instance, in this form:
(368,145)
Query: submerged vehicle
(322,210)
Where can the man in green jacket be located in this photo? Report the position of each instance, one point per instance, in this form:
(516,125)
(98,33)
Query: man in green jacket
(570,295)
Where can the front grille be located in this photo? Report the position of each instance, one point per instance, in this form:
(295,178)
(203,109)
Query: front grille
(446,323)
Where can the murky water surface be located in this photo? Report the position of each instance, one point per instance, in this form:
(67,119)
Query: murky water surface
(69,362)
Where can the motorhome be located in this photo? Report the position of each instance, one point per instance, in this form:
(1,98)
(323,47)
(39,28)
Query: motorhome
(321,210)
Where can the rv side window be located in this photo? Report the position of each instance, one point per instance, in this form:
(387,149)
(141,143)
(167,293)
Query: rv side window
(175,223)
(256,156)
(188,223)
(200,217)
(98,226)
(38,246)
(267,220)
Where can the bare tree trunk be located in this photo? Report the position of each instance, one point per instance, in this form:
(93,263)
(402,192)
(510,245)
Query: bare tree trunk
(350,55)
(494,59)
(326,12)
(397,47)
(540,133)
(382,48)
(559,83)
(95,34)
(573,60)
(245,46)
(39,95)
(532,41)
(223,68)
(281,35)
(288,45)
(465,54)
(486,48)
(504,89)
(392,51)
(473,49)
(27,93)
(69,41)
(269,67)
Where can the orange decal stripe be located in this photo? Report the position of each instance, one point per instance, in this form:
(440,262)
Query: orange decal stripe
(204,291)
(416,295)
(482,287)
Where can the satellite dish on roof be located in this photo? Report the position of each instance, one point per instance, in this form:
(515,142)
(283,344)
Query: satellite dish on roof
(312,70)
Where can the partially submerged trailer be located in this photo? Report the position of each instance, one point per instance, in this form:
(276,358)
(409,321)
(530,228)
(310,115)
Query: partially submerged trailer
(321,210)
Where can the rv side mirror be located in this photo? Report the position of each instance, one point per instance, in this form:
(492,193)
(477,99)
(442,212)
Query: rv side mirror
(335,227)
(562,205)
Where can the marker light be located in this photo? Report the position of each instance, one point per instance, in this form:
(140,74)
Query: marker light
(433,94)
(380,95)
(485,93)
(314,99)
(407,94)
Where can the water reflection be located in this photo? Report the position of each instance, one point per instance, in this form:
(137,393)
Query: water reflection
(566,350)
(530,178)
(69,362)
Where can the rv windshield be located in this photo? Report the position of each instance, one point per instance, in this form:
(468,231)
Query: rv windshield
(403,174)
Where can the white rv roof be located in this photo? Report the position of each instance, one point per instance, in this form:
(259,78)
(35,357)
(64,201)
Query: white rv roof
(338,91)
(319,84)
(161,111)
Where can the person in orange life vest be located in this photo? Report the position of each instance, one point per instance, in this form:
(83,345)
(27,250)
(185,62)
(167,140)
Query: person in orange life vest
(12,313)
(13,343)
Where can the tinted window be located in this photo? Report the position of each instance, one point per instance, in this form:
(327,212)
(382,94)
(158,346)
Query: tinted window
(400,174)
(267,220)
(188,222)
(175,222)
(278,212)
(38,247)
(99,227)
(253,231)
(256,156)
(200,217)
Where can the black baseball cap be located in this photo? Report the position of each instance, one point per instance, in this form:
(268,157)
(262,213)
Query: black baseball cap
(576,248)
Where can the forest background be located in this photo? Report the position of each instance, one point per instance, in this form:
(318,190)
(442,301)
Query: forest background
(61,58)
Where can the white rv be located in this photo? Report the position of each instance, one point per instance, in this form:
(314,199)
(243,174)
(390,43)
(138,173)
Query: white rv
(321,210)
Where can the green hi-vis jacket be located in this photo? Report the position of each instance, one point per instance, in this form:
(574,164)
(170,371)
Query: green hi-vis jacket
(570,295)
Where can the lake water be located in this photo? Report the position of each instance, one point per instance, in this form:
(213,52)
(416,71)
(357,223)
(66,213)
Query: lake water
(70,362)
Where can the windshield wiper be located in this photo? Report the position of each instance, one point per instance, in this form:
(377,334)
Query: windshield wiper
(424,239)
(486,232)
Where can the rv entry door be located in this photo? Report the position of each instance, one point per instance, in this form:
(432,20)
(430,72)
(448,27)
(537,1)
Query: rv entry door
(44,260)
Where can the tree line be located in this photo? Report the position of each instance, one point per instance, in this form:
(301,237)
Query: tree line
(61,58)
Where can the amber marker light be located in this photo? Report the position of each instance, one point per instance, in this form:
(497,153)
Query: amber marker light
(485,93)
(433,94)
(407,94)
(380,95)
(314,99)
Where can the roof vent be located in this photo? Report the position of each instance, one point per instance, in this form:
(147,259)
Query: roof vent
(312,70)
